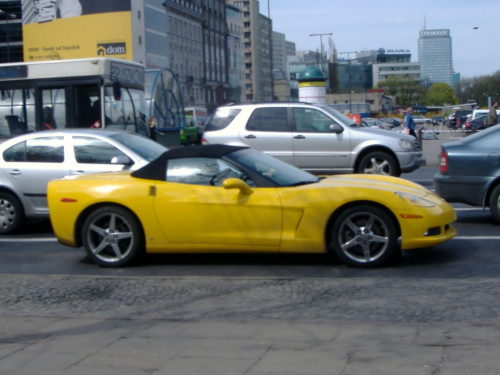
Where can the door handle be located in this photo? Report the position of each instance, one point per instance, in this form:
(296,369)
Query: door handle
(250,136)
(299,137)
(15,172)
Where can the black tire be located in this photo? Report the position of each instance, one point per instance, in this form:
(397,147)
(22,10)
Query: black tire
(112,237)
(495,203)
(379,162)
(11,213)
(364,236)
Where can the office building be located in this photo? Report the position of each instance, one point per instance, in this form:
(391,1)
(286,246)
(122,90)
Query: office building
(281,49)
(256,51)
(435,56)
(234,18)
(174,40)
(11,36)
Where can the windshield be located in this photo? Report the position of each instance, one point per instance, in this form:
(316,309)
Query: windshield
(280,173)
(339,116)
(142,146)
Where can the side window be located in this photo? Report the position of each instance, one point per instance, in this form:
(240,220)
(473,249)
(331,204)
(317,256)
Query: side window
(15,153)
(202,171)
(309,120)
(268,120)
(222,118)
(91,150)
(45,150)
(38,150)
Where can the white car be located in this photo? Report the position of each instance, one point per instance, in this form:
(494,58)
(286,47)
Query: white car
(481,112)
(28,162)
(420,120)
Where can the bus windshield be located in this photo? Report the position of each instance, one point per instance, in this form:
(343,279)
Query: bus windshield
(128,113)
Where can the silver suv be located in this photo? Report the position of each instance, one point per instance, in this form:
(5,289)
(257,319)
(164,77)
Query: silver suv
(316,138)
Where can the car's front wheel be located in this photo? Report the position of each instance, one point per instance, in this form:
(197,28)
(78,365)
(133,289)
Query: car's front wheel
(379,162)
(112,236)
(364,236)
(11,213)
(495,203)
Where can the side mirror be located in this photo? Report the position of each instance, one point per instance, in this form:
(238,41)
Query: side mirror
(236,183)
(336,128)
(121,159)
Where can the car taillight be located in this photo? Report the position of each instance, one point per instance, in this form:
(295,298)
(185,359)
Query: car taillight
(443,162)
(467,124)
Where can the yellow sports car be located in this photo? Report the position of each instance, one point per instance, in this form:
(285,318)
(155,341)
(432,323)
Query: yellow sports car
(220,198)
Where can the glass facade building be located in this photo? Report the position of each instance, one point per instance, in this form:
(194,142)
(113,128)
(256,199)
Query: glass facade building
(435,56)
(11,36)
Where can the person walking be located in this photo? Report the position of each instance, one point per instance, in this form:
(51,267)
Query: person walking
(492,118)
(409,123)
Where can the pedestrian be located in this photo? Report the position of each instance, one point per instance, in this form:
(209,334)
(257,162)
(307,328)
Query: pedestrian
(409,123)
(492,118)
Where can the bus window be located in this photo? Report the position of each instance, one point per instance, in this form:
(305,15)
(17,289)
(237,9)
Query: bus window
(15,118)
(53,108)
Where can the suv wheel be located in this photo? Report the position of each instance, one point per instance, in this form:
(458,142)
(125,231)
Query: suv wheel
(378,162)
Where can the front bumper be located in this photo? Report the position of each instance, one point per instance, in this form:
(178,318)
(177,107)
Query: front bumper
(409,161)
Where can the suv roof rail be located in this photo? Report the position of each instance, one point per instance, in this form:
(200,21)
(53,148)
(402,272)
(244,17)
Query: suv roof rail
(275,102)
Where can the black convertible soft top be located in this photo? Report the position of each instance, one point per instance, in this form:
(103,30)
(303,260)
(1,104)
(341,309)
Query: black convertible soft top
(156,169)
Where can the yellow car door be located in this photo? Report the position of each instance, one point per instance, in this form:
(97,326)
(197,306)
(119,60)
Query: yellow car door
(197,213)
(215,218)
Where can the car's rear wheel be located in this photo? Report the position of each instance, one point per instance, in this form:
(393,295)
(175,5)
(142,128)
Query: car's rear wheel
(364,236)
(11,213)
(495,203)
(112,236)
(379,162)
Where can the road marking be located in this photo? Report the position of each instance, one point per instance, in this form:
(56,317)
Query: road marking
(476,238)
(472,209)
(41,239)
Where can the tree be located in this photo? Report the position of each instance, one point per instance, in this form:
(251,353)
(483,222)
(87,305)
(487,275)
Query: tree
(406,90)
(439,94)
(479,89)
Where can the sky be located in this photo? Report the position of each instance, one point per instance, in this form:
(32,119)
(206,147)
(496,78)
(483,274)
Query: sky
(360,25)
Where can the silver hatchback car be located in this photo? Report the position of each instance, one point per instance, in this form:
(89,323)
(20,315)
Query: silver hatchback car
(28,162)
(316,138)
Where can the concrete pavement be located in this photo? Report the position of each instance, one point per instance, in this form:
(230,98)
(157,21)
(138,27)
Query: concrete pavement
(98,346)
(53,324)
(431,148)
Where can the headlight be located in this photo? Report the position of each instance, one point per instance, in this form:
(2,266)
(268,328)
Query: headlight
(413,200)
(406,144)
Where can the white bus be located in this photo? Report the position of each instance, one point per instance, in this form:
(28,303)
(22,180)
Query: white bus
(82,93)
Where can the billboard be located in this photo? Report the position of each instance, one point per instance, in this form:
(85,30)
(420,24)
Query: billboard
(71,29)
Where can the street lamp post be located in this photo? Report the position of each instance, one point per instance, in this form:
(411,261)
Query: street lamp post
(321,57)
(270,47)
